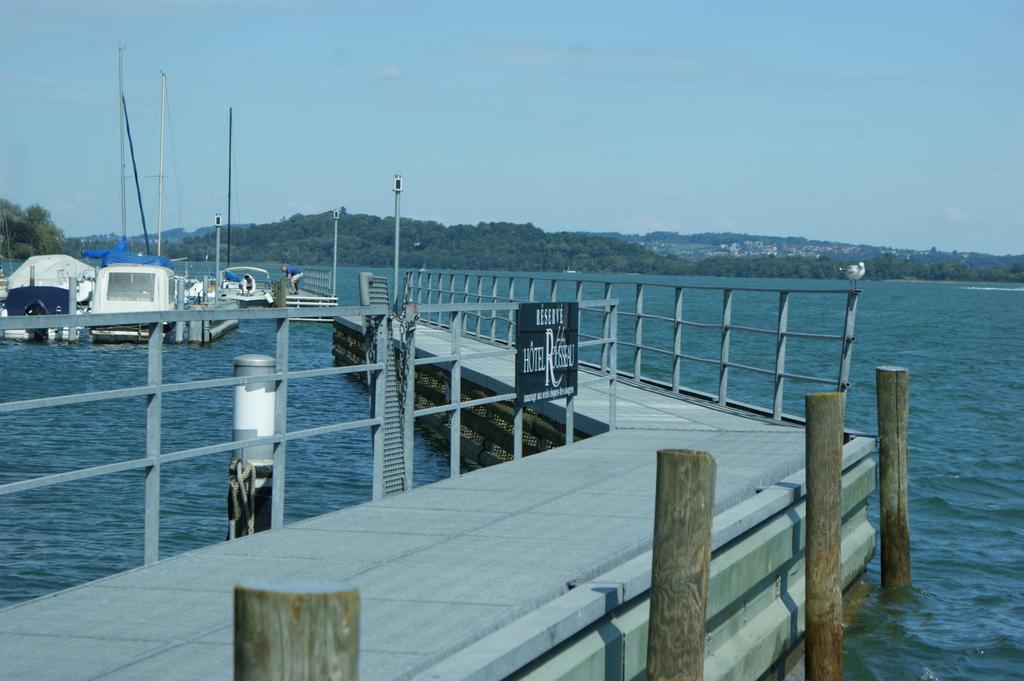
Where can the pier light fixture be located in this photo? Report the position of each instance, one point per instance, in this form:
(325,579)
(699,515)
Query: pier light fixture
(216,279)
(337,214)
(394,278)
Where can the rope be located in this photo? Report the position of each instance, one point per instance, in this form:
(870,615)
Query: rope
(241,494)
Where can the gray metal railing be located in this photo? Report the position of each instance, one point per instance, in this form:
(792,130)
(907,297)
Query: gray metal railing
(317,279)
(429,287)
(156,387)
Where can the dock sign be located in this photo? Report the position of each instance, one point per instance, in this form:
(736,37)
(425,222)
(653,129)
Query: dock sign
(547,351)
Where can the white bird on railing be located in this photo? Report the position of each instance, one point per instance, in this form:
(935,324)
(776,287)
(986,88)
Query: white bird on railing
(853,272)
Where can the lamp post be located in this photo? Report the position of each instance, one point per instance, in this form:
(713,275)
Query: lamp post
(334,270)
(398,194)
(216,224)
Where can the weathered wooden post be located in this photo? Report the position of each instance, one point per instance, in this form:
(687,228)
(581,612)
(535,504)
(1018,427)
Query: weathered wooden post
(683,511)
(301,631)
(278,293)
(179,304)
(824,441)
(893,412)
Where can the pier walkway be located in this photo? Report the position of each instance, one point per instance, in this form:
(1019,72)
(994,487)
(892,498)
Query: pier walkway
(465,578)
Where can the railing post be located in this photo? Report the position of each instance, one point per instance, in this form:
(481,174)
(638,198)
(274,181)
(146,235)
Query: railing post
(409,406)
(510,331)
(723,370)
(454,397)
(517,432)
(780,355)
(378,383)
(554,290)
(531,288)
(638,333)
(893,412)
(848,338)
(824,600)
(681,564)
(613,365)
(72,332)
(154,404)
(479,299)
(179,304)
(301,631)
(677,339)
(605,326)
(280,427)
(494,312)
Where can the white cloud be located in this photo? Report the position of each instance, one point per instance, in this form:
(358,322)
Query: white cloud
(954,214)
(391,72)
(646,222)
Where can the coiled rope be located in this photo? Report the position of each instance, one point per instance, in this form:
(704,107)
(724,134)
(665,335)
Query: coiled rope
(241,494)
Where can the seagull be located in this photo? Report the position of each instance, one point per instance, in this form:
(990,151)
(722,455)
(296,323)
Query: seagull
(853,272)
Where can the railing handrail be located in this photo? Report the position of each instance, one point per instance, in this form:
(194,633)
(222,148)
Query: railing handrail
(444,284)
(154,388)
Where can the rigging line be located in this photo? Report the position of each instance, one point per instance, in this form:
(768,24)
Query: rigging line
(135,171)
(172,141)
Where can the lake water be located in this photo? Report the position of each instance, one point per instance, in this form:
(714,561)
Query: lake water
(962,619)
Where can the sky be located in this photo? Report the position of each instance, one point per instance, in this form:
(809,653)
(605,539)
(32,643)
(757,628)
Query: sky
(890,124)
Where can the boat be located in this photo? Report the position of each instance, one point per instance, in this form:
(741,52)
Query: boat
(126,282)
(41,286)
(247,287)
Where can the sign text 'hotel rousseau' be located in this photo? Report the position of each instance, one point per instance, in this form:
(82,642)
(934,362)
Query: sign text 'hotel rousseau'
(547,351)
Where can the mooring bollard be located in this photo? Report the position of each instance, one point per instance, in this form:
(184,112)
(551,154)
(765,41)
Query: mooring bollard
(301,631)
(683,513)
(179,304)
(824,442)
(250,471)
(893,413)
(72,330)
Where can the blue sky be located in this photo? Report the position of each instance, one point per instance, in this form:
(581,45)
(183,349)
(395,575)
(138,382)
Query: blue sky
(894,124)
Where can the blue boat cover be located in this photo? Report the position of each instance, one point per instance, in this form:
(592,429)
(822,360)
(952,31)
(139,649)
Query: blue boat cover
(231,276)
(119,255)
(122,245)
(126,258)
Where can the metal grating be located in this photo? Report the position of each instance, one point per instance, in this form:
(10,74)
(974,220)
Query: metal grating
(376,289)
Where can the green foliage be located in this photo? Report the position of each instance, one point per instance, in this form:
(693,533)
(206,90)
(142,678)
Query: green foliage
(27,232)
(367,240)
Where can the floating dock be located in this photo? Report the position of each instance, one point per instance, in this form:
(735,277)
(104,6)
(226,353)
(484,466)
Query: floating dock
(539,568)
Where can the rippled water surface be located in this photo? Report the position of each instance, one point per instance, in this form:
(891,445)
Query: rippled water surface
(962,619)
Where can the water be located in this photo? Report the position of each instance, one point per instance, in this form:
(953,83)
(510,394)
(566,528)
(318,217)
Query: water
(962,619)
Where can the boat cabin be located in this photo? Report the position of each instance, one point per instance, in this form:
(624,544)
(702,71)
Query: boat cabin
(133,288)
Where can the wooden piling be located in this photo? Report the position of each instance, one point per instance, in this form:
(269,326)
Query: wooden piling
(296,632)
(893,412)
(684,507)
(824,597)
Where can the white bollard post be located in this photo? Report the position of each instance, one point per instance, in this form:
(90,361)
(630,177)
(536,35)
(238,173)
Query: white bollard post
(251,469)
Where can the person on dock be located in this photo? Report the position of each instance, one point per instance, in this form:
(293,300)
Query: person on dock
(292,274)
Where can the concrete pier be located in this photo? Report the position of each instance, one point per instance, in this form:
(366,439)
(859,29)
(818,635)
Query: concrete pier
(538,568)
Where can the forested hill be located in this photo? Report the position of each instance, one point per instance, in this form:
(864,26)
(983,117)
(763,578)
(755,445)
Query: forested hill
(369,240)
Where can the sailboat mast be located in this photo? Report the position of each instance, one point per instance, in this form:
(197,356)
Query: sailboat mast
(229,185)
(120,109)
(160,177)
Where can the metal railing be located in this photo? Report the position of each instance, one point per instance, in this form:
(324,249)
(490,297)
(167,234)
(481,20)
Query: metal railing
(317,279)
(457,316)
(156,387)
(429,287)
